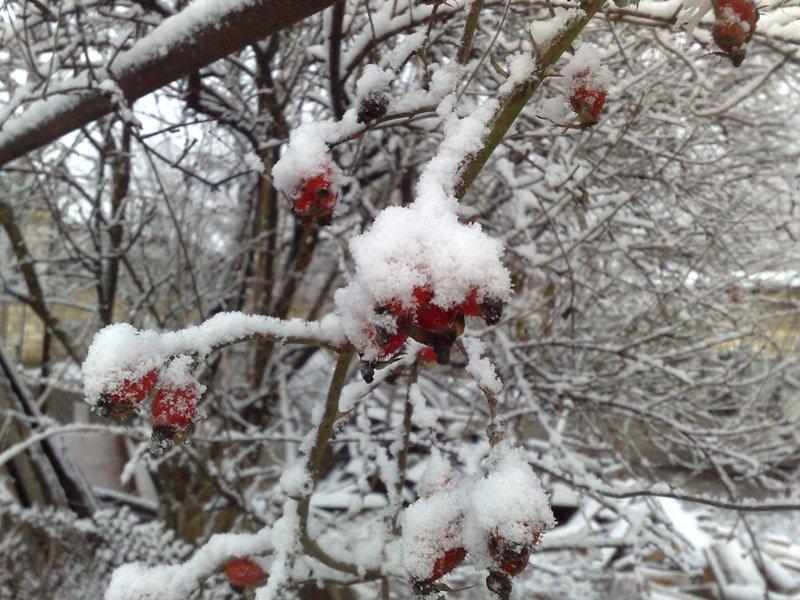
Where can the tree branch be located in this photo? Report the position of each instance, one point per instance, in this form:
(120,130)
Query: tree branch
(181,45)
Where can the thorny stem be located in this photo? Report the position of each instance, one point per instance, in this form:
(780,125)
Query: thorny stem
(315,458)
(512,104)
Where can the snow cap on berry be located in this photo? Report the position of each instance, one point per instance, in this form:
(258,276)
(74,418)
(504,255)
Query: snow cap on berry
(586,59)
(408,248)
(118,353)
(306,156)
(431,527)
(508,502)
(438,475)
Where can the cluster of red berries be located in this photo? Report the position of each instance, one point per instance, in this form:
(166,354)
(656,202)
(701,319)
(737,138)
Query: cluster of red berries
(314,199)
(509,559)
(429,324)
(173,408)
(243,573)
(735,23)
(587,98)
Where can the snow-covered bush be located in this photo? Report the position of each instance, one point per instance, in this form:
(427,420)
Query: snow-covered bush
(543,232)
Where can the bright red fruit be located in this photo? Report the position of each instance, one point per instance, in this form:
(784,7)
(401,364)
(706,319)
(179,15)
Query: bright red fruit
(427,354)
(734,26)
(175,406)
(587,98)
(470,307)
(430,316)
(446,563)
(315,198)
(132,391)
(394,343)
(244,572)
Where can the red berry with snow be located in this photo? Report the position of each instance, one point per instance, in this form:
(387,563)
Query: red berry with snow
(511,557)
(396,341)
(430,316)
(131,391)
(315,198)
(427,354)
(587,97)
(175,406)
(244,572)
(446,563)
(734,27)
(490,309)
(470,307)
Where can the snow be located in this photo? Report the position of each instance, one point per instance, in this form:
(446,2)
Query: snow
(479,367)
(175,30)
(422,415)
(120,351)
(585,66)
(424,245)
(285,540)
(546,30)
(521,67)
(296,481)
(405,48)
(373,79)
(509,501)
(306,156)
(438,475)
(431,526)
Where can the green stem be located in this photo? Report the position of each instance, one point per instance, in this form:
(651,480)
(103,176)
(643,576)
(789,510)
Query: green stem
(315,458)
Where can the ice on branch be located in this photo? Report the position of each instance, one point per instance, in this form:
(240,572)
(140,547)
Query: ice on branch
(121,352)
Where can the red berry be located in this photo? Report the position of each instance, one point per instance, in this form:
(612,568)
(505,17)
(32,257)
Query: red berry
(430,316)
(511,558)
(132,391)
(387,343)
(587,98)
(427,354)
(244,572)
(470,307)
(394,343)
(735,25)
(446,563)
(315,197)
(175,406)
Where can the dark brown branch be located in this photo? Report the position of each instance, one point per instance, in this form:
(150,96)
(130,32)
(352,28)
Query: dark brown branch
(139,73)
